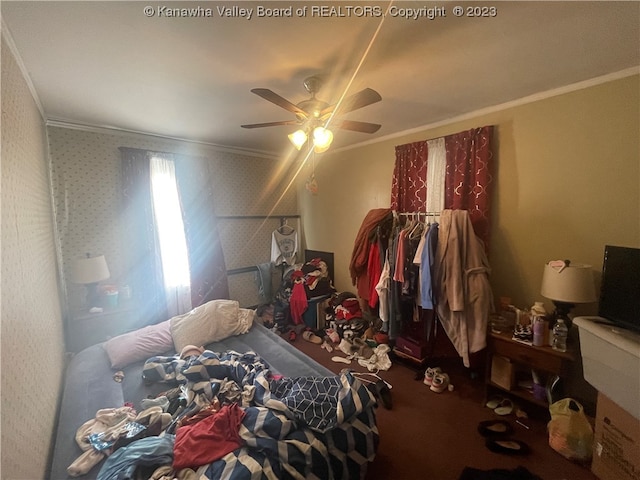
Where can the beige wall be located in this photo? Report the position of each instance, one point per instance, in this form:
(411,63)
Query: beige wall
(567,182)
(32,341)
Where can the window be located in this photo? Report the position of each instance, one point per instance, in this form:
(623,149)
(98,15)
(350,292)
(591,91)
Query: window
(171,236)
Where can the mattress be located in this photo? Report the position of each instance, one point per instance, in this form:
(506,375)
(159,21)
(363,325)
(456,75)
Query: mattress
(89,386)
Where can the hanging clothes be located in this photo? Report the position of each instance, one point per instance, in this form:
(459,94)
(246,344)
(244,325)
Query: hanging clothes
(264,282)
(361,246)
(398,274)
(374,270)
(427,260)
(382,289)
(395,290)
(284,245)
(461,275)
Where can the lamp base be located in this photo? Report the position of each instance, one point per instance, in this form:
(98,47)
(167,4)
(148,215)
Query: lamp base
(93,297)
(562,311)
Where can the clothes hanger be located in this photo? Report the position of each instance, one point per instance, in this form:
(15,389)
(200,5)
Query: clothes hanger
(417,228)
(283,228)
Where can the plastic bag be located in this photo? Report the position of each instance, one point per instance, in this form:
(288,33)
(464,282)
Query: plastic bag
(570,433)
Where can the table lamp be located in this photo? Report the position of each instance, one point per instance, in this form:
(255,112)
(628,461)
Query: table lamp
(89,271)
(565,284)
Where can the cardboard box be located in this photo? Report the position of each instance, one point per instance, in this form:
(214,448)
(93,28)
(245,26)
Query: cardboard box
(616,446)
(314,316)
(416,349)
(502,372)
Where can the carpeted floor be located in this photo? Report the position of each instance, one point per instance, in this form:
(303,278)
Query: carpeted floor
(427,435)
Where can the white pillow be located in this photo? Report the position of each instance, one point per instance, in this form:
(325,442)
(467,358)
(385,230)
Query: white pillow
(212,322)
(139,345)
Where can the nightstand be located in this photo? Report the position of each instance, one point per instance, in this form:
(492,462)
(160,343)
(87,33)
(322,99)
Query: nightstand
(507,358)
(85,329)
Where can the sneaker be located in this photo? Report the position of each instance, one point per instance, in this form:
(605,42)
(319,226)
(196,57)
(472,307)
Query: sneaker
(440,382)
(429,374)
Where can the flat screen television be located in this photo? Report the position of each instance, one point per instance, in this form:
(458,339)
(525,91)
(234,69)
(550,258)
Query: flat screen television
(620,290)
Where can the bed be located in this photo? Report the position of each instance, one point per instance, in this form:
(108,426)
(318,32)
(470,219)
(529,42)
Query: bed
(300,420)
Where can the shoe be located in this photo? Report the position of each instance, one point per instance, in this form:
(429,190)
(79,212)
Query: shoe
(508,446)
(309,336)
(440,382)
(429,374)
(494,402)
(382,393)
(504,408)
(495,428)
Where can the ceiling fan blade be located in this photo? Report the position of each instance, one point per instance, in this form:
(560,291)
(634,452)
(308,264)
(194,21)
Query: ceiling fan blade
(355,126)
(273,97)
(271,124)
(357,100)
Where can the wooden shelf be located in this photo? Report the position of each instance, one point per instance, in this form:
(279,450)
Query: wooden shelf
(520,393)
(524,357)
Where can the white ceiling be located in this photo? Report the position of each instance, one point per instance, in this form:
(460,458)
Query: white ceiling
(102,63)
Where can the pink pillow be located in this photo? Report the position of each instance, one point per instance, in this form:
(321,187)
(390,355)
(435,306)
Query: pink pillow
(139,345)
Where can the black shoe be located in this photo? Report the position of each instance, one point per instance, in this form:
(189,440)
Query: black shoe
(495,428)
(382,393)
(508,446)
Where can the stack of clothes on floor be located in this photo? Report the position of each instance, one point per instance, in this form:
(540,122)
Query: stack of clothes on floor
(300,283)
(353,334)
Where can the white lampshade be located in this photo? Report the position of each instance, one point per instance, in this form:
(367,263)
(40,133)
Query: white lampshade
(569,284)
(322,138)
(89,270)
(298,138)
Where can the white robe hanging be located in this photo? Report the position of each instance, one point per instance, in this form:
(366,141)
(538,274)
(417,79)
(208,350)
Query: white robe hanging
(462,279)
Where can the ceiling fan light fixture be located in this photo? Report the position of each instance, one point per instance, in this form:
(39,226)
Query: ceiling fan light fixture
(322,138)
(298,138)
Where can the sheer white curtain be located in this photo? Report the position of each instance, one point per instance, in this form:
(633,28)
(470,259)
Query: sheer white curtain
(436,170)
(171,236)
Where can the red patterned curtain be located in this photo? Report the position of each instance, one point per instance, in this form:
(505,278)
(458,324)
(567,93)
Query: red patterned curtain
(409,186)
(468,179)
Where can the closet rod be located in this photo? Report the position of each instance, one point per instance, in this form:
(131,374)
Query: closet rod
(254,217)
(235,271)
(418,213)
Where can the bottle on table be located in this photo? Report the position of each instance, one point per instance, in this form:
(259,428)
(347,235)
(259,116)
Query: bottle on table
(560,333)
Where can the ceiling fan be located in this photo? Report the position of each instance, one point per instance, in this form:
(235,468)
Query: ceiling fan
(312,113)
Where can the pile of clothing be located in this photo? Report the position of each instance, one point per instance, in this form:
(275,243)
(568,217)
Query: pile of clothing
(355,332)
(300,283)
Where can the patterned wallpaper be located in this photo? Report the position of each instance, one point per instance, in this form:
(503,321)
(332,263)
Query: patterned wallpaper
(86,179)
(31,311)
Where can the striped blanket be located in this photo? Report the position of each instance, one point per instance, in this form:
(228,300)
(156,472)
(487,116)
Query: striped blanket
(293,428)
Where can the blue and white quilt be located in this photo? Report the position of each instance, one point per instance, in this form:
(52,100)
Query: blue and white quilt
(294,428)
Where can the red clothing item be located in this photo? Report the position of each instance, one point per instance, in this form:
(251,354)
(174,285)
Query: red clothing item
(360,254)
(298,303)
(208,440)
(349,309)
(398,274)
(374,270)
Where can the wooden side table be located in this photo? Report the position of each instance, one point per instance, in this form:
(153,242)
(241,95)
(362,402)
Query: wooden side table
(523,357)
(85,329)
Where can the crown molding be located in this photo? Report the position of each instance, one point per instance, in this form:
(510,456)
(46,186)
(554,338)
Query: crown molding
(8,38)
(61,123)
(610,77)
